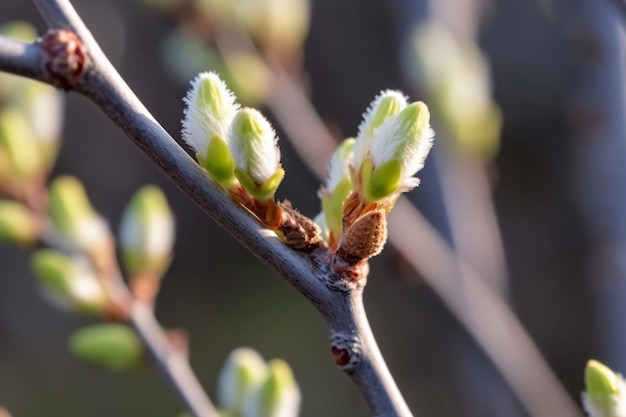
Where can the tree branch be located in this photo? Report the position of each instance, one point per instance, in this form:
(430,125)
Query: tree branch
(21,58)
(340,303)
(482,311)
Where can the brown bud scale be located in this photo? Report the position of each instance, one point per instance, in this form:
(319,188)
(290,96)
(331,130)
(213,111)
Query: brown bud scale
(366,237)
(64,57)
(300,232)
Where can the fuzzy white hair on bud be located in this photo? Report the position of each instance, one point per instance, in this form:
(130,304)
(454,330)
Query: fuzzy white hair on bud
(339,166)
(254,145)
(210,109)
(406,137)
(386,104)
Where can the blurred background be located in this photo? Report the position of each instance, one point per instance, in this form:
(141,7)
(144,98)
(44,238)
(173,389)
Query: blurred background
(527,182)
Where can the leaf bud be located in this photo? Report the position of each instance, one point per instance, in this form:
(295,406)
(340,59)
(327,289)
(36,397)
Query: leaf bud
(147,233)
(254,146)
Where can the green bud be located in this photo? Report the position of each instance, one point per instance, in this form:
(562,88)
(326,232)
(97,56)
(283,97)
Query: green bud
(278,396)
(254,146)
(457,76)
(17,224)
(18,145)
(385,105)
(113,346)
(398,151)
(600,379)
(242,373)
(210,109)
(73,216)
(69,283)
(147,233)
(604,396)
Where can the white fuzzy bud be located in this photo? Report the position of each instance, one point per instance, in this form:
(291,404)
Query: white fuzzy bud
(385,105)
(211,107)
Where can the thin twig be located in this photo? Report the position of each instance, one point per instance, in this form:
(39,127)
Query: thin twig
(21,58)
(172,362)
(340,304)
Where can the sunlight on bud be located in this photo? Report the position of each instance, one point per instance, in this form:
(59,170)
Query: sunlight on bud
(385,105)
(211,107)
(147,233)
(69,283)
(254,146)
(243,371)
(73,217)
(398,151)
(278,396)
(604,396)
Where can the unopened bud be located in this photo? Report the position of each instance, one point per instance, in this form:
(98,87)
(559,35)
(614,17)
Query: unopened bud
(69,283)
(385,105)
(242,373)
(366,237)
(17,224)
(147,233)
(604,396)
(254,146)
(211,107)
(73,217)
(398,151)
(278,396)
(113,346)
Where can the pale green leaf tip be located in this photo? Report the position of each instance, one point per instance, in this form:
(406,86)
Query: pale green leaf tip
(416,113)
(391,103)
(600,380)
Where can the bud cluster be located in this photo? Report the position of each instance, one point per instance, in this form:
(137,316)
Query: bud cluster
(237,146)
(368,174)
(239,149)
